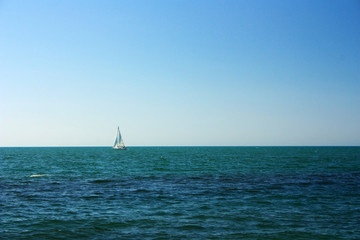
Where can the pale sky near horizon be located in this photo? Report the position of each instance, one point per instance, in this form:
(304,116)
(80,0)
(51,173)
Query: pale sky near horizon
(204,72)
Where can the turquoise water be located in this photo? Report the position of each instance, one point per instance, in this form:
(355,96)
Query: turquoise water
(180,193)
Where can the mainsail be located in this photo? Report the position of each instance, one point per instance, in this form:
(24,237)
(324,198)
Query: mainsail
(119,142)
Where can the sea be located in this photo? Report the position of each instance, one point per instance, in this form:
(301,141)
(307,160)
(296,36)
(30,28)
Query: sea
(180,193)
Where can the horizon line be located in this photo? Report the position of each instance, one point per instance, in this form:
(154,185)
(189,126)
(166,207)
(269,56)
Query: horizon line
(107,146)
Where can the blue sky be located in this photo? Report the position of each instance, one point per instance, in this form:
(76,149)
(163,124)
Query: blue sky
(180,72)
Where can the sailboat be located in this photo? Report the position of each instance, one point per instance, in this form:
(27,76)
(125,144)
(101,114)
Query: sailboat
(119,142)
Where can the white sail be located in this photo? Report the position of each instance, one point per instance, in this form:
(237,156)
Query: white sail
(119,142)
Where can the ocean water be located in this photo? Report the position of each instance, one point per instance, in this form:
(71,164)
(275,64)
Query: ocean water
(180,193)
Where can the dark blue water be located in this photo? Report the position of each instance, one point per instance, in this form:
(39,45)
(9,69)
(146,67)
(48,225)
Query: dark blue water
(180,193)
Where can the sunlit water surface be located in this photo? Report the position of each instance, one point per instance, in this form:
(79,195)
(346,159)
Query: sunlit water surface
(180,193)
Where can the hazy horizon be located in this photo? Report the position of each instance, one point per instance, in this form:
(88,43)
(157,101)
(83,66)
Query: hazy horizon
(180,73)
(192,146)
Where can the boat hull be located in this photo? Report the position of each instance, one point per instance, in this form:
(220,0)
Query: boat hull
(121,148)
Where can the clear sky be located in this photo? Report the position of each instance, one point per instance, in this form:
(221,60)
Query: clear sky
(180,72)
